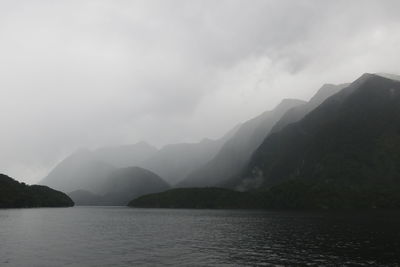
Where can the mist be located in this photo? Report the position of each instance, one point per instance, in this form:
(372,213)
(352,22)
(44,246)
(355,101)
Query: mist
(100,73)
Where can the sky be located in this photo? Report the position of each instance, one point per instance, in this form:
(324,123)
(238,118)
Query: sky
(86,74)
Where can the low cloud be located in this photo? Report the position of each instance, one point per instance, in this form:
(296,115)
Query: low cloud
(94,73)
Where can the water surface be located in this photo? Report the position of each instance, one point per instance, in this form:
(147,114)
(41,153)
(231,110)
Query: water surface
(119,236)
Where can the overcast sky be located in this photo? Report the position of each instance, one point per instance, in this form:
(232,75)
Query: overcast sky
(95,73)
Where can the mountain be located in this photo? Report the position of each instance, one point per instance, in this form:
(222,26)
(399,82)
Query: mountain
(174,162)
(80,171)
(121,186)
(198,198)
(236,151)
(127,183)
(297,113)
(91,179)
(389,76)
(126,155)
(344,154)
(350,143)
(88,170)
(19,195)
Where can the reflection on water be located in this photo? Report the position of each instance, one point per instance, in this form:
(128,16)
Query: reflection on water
(118,236)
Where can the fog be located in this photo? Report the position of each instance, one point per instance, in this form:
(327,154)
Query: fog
(97,73)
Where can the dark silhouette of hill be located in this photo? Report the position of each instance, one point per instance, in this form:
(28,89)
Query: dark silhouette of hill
(236,151)
(19,195)
(198,198)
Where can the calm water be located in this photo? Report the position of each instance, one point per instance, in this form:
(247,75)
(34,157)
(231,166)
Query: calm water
(118,236)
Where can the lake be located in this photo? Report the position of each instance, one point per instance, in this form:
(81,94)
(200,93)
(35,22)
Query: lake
(120,236)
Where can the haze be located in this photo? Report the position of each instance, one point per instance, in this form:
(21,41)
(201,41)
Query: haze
(99,73)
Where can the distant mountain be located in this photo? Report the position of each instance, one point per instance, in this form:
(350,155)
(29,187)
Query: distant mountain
(236,151)
(88,170)
(127,183)
(126,155)
(297,113)
(350,143)
(341,149)
(344,154)
(80,171)
(86,198)
(389,76)
(175,162)
(198,198)
(19,195)
(121,186)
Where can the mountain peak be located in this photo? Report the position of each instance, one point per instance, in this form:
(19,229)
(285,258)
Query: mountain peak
(326,91)
(373,79)
(365,77)
(143,144)
(336,142)
(389,76)
(288,103)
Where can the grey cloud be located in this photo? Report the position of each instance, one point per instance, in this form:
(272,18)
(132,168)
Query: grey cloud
(93,73)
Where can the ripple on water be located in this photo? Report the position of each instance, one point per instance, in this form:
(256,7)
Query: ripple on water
(105,236)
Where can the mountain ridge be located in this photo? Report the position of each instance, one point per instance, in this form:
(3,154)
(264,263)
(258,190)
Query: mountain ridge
(14,194)
(237,150)
(357,105)
(121,186)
